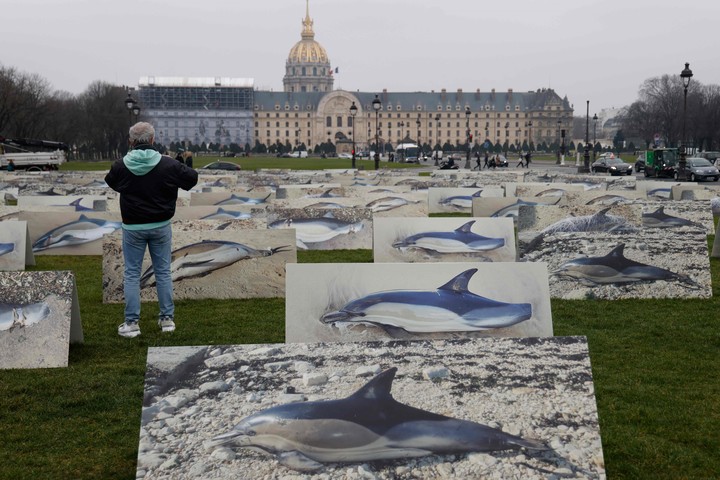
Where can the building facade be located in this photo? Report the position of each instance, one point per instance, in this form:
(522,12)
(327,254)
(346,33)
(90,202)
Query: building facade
(198,109)
(309,112)
(425,118)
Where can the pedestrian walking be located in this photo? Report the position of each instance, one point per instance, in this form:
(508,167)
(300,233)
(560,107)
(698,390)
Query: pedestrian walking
(148,184)
(520,162)
(486,165)
(528,157)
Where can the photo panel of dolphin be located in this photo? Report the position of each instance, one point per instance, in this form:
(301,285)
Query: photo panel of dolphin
(324,229)
(449,308)
(369,425)
(202,258)
(615,268)
(84,229)
(361,302)
(457,408)
(413,239)
(210,260)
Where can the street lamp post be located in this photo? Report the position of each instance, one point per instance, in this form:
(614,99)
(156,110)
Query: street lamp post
(402,141)
(353,112)
(136,111)
(685,75)
(507,140)
(559,152)
(417,122)
(586,158)
(467,137)
(377,105)
(595,119)
(130,104)
(529,125)
(437,137)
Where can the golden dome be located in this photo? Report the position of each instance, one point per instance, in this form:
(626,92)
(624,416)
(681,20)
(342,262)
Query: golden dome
(307,50)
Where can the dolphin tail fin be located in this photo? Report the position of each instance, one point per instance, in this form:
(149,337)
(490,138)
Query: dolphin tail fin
(274,250)
(379,387)
(460,282)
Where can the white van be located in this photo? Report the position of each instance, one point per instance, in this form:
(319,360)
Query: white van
(299,154)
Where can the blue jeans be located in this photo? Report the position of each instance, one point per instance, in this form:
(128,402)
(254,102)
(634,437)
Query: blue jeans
(159,242)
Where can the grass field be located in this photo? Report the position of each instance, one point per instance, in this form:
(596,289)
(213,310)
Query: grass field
(312,163)
(655,367)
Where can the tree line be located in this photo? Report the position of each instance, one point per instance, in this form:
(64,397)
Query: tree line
(659,111)
(94,123)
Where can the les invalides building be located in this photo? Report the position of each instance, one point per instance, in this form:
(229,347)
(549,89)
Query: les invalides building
(309,111)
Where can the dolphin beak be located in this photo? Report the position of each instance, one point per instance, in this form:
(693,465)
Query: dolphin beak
(337,316)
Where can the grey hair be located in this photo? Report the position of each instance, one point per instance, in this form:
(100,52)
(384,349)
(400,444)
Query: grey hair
(141,132)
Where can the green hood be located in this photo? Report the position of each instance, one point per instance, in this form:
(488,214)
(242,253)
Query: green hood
(140,162)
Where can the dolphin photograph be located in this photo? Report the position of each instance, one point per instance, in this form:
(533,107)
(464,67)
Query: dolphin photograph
(37,310)
(509,206)
(256,197)
(374,426)
(243,200)
(6,247)
(443,240)
(449,308)
(361,302)
(222,264)
(323,229)
(324,410)
(62,233)
(454,200)
(649,264)
(203,258)
(659,219)
(615,268)
(540,224)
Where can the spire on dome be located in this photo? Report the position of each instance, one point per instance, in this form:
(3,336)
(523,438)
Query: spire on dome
(307,32)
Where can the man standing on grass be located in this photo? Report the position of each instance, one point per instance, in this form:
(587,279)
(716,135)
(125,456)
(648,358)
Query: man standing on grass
(148,185)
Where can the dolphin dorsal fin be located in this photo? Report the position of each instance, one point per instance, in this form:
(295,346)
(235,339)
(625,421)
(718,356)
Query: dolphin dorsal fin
(83,217)
(379,387)
(460,282)
(617,251)
(465,228)
(603,212)
(477,194)
(661,209)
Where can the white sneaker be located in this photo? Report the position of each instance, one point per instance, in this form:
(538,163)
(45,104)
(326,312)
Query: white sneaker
(166,324)
(129,330)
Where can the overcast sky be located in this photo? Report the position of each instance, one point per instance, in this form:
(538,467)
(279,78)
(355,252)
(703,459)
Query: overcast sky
(600,51)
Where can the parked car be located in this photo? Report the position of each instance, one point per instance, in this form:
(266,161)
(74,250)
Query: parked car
(344,155)
(699,169)
(221,166)
(711,156)
(611,165)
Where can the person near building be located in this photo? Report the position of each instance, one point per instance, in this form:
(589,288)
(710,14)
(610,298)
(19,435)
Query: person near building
(148,184)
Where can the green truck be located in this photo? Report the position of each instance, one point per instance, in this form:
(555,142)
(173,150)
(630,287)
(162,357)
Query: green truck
(660,162)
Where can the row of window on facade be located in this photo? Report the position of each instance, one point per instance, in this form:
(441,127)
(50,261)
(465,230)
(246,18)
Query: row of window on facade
(304,71)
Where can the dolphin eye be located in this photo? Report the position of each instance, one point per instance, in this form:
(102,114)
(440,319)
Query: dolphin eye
(250,433)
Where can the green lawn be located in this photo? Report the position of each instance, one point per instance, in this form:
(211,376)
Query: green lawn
(256,162)
(655,366)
